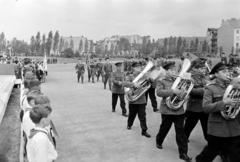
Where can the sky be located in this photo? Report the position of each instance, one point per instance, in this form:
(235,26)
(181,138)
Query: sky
(97,19)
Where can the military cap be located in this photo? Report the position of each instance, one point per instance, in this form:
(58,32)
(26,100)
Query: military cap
(118,63)
(136,64)
(167,65)
(219,66)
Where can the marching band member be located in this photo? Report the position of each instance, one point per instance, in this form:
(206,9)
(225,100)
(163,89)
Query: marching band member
(40,146)
(118,78)
(80,69)
(151,93)
(137,107)
(99,67)
(223,135)
(169,116)
(194,111)
(107,70)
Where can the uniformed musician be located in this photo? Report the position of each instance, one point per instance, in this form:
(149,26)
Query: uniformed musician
(170,116)
(194,111)
(137,107)
(118,79)
(107,70)
(80,69)
(223,135)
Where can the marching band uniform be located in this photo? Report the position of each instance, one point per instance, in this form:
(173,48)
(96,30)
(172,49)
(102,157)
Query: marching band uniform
(137,107)
(194,111)
(99,67)
(80,69)
(107,70)
(118,77)
(169,116)
(223,135)
(93,71)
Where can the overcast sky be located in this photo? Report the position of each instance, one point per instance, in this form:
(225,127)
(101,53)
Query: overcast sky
(97,19)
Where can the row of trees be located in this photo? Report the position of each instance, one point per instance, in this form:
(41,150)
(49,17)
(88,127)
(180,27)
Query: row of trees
(53,43)
(162,47)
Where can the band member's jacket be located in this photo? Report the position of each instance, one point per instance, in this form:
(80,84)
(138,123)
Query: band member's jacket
(40,147)
(80,68)
(164,90)
(196,94)
(141,99)
(213,104)
(118,79)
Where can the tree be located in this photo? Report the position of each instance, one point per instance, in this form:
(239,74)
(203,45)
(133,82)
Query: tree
(43,44)
(2,42)
(19,47)
(71,43)
(80,46)
(220,50)
(68,53)
(179,46)
(86,46)
(91,46)
(184,45)
(32,45)
(192,46)
(49,43)
(38,43)
(61,45)
(196,44)
(204,46)
(124,44)
(56,41)
(165,46)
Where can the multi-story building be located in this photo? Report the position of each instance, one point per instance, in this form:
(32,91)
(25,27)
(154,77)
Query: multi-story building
(212,35)
(79,44)
(229,36)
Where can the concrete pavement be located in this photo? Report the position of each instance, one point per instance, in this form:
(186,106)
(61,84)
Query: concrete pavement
(90,132)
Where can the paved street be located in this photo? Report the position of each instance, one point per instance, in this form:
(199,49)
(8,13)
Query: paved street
(90,132)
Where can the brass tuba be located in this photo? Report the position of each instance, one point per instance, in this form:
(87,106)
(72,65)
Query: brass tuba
(233,92)
(182,82)
(142,81)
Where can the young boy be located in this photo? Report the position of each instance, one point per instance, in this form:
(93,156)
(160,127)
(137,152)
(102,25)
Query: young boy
(40,146)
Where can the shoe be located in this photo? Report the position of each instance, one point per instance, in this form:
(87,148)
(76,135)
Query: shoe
(155,110)
(113,110)
(129,128)
(185,157)
(159,146)
(125,115)
(146,134)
